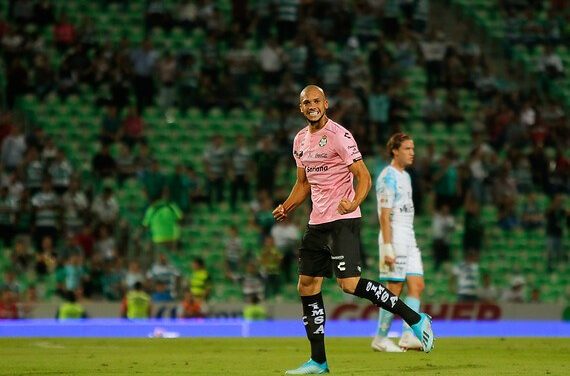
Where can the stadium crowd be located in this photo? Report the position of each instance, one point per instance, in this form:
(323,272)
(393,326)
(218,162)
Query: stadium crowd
(54,224)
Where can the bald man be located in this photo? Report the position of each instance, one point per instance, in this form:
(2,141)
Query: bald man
(328,161)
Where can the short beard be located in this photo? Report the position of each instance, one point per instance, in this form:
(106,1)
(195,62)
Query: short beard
(315,122)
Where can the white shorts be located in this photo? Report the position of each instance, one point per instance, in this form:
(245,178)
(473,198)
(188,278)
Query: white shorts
(408,263)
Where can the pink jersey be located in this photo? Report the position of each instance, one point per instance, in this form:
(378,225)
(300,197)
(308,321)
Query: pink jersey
(325,155)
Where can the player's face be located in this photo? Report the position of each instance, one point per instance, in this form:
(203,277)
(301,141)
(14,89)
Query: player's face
(405,154)
(313,105)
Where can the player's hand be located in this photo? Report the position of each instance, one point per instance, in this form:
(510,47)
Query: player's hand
(279,213)
(345,206)
(388,259)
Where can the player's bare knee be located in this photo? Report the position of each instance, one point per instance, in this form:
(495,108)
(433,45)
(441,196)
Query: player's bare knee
(416,288)
(347,285)
(308,286)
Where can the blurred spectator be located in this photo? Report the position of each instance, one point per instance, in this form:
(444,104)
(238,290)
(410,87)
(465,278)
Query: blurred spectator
(254,310)
(165,272)
(162,219)
(190,308)
(199,281)
(270,266)
(103,164)
(241,166)
(8,305)
(8,208)
(126,166)
(556,218)
(452,112)
(105,207)
(111,280)
(167,70)
(17,83)
(136,304)
(21,256)
(446,183)
(432,108)
(252,283)
(515,292)
(539,164)
(70,308)
(47,211)
(143,159)
(465,279)
(532,218)
(233,251)
(160,292)
(74,272)
(11,283)
(287,236)
(144,60)
(60,171)
(488,292)
(215,161)
(271,60)
(443,226)
(64,33)
(433,52)
(110,125)
(266,161)
(133,275)
(535,295)
(133,128)
(45,258)
(13,149)
(153,181)
(550,63)
(105,245)
(179,187)
(264,215)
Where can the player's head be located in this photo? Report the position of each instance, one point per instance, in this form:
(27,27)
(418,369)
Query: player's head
(313,104)
(401,148)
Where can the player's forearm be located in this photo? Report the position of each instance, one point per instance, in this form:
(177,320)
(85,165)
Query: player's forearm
(386,228)
(298,195)
(363,185)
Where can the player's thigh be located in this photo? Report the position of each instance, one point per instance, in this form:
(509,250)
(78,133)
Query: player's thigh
(346,258)
(314,253)
(414,264)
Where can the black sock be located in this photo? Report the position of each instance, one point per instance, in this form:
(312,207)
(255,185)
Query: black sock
(314,318)
(383,298)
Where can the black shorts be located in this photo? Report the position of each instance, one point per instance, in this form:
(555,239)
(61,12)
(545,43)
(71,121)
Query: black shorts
(331,246)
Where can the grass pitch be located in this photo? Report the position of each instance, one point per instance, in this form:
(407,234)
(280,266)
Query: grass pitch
(254,356)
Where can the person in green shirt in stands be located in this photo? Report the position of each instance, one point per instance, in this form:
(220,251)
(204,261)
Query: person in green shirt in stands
(70,309)
(162,219)
(136,304)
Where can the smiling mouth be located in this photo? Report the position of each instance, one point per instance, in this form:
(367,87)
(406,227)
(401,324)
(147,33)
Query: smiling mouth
(313,113)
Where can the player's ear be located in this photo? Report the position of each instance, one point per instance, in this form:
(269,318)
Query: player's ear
(326,104)
(301,107)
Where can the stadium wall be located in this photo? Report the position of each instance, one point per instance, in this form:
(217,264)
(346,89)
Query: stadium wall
(342,311)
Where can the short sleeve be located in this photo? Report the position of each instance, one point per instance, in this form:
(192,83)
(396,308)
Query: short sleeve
(347,148)
(297,153)
(386,190)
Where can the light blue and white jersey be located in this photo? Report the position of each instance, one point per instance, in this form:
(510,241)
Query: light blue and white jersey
(394,191)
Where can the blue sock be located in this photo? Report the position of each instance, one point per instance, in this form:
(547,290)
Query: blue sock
(384,322)
(413,303)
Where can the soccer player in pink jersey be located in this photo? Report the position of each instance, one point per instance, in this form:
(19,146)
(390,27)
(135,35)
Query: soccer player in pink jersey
(328,160)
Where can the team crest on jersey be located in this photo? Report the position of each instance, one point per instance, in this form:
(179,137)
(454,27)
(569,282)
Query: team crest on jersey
(323,141)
